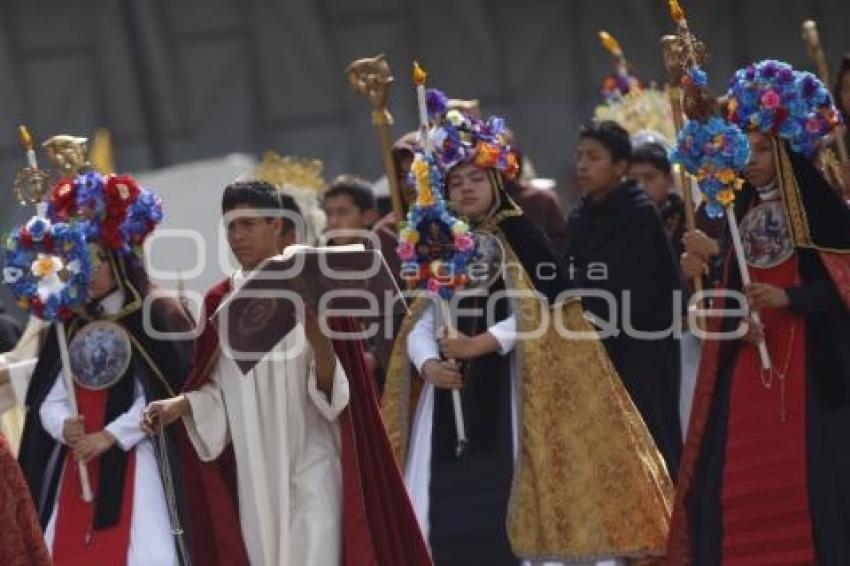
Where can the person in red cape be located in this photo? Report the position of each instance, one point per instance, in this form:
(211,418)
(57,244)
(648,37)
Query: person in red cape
(300,471)
(765,473)
(21,539)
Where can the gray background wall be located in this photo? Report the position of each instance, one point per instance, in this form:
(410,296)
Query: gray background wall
(180,80)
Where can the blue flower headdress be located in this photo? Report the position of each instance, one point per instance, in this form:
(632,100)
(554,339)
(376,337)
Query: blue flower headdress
(771,97)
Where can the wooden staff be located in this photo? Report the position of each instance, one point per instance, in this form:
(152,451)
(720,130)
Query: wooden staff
(372,78)
(815,49)
(670,47)
(67,374)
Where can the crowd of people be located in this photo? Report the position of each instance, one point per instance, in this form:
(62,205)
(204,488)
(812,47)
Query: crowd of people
(636,441)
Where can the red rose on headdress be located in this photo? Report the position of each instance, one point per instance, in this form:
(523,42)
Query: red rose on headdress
(121,188)
(26,238)
(120,191)
(63,200)
(771,99)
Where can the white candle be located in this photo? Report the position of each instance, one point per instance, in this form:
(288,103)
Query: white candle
(745,279)
(423,106)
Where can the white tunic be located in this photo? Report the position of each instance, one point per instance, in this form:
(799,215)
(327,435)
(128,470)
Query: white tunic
(285,436)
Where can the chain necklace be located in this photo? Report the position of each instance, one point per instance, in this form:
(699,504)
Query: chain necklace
(768,375)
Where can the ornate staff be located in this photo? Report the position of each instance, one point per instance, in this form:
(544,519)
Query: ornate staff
(372,78)
(672,50)
(815,49)
(717,175)
(423,255)
(30,189)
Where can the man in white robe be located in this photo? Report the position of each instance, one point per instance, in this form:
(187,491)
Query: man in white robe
(280,418)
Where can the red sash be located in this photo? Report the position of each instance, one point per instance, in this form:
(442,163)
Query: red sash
(76,543)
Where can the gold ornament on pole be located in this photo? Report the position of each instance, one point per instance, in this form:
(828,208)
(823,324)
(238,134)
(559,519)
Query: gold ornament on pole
(30,183)
(672,49)
(372,78)
(683,54)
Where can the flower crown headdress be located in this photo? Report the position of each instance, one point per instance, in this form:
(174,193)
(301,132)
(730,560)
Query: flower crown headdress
(771,97)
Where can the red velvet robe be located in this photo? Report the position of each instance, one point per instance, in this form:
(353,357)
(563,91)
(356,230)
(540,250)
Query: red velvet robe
(21,539)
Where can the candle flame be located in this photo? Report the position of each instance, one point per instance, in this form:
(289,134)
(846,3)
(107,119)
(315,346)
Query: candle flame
(611,44)
(419,74)
(676,11)
(25,137)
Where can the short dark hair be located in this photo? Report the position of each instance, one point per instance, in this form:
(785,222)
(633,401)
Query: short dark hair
(610,134)
(653,154)
(355,187)
(260,195)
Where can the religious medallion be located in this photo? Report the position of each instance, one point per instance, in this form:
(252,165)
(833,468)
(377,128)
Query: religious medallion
(100,355)
(766,236)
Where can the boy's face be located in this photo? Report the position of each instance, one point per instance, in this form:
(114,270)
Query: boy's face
(596,171)
(761,170)
(651,179)
(102,281)
(343,214)
(470,191)
(252,236)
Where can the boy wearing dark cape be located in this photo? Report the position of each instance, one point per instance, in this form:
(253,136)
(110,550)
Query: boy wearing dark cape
(616,245)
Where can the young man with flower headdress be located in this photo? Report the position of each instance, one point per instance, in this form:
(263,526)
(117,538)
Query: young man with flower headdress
(119,361)
(765,474)
(558,464)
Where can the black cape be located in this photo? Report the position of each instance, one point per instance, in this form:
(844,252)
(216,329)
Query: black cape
(619,245)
